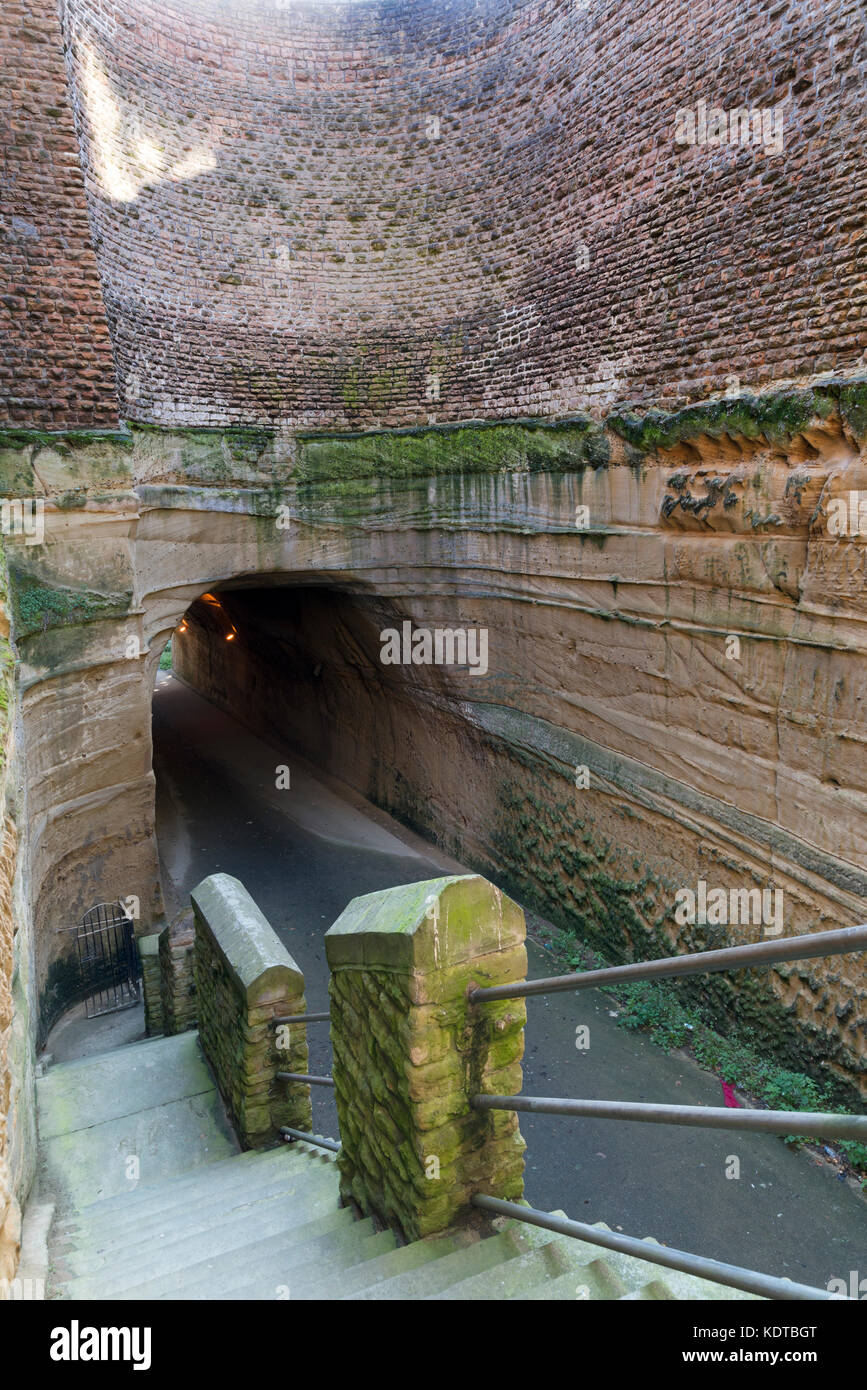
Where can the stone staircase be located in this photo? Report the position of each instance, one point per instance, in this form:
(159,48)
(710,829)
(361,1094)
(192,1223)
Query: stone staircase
(205,1221)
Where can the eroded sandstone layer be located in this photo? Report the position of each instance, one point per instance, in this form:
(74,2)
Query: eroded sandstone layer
(609,648)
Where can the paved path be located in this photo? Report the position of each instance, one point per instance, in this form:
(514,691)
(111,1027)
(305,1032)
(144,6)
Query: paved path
(304,852)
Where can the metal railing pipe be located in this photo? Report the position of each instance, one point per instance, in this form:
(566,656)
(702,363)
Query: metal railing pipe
(815,1124)
(329,1144)
(750,1280)
(787,948)
(303,1076)
(302,1018)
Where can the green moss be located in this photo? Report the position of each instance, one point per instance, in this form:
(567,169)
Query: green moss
(851,398)
(598,898)
(526,445)
(777,416)
(243,445)
(36,607)
(64,440)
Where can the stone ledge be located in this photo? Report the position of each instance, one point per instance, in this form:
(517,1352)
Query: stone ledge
(254,956)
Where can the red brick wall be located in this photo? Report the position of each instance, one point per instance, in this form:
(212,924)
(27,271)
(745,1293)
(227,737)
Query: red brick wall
(280,239)
(56,364)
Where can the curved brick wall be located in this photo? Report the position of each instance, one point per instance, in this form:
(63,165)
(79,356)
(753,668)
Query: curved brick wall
(284,236)
(55,354)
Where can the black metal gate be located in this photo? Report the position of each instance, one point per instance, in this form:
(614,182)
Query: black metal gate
(108,960)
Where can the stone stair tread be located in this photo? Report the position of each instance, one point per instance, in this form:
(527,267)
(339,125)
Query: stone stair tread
(313,1278)
(199,1260)
(508,1280)
(203,1174)
(195,1258)
(120,1227)
(339,1282)
(351,1244)
(113,1085)
(89,1165)
(439,1274)
(593,1282)
(280,1209)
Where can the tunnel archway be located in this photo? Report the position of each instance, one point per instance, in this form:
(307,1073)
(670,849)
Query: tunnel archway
(299,662)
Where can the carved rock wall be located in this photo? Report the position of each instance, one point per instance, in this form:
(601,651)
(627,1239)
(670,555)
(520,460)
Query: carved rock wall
(609,647)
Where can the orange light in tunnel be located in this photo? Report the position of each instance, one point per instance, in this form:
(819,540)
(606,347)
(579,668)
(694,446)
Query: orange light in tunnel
(230,636)
(182,628)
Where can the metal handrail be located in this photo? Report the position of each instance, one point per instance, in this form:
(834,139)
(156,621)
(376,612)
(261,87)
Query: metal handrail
(788,948)
(302,1018)
(734,1276)
(303,1076)
(289,1133)
(810,1122)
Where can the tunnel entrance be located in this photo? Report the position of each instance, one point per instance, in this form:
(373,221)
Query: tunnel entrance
(277,735)
(302,667)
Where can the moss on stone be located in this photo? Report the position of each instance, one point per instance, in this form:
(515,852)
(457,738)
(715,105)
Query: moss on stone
(777,416)
(64,440)
(479,447)
(37,607)
(851,398)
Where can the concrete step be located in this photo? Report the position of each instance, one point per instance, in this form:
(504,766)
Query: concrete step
(435,1275)
(510,1279)
(594,1282)
(281,1254)
(187,1177)
(157,1202)
(90,1165)
(299,1275)
(278,1207)
(164,1259)
(336,1282)
(110,1085)
(202,1186)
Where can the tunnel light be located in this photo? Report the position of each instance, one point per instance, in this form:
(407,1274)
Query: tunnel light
(230,636)
(182,628)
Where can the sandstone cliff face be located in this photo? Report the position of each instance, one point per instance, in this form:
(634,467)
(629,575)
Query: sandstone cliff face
(10,1210)
(667,606)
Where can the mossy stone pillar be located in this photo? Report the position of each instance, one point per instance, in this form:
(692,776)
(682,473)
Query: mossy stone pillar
(245,978)
(410,1050)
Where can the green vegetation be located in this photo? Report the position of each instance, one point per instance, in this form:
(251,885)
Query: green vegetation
(776,416)
(166,657)
(38,606)
(524,445)
(64,440)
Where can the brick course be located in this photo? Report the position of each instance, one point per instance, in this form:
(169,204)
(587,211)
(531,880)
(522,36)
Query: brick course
(56,366)
(370,214)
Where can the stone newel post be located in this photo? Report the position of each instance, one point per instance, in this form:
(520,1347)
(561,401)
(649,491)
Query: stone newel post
(410,1051)
(245,978)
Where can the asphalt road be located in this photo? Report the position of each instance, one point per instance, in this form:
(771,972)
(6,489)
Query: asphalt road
(305,851)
